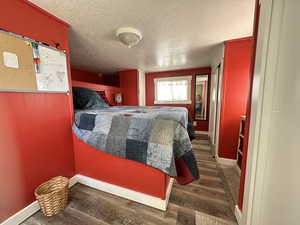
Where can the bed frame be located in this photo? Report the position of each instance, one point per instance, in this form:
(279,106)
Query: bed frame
(122,177)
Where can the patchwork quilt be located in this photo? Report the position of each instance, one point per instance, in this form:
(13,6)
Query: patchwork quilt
(155,136)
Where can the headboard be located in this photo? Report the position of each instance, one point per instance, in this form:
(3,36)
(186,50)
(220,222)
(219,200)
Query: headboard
(110,91)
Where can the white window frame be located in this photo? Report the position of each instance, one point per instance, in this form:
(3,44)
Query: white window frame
(187,78)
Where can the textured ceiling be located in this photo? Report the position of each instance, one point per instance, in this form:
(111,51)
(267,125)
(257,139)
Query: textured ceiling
(176,33)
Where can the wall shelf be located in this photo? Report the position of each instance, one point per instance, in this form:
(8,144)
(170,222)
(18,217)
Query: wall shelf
(241,141)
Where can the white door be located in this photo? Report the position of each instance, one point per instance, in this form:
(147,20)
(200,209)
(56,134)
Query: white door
(218,108)
(272,193)
(214,109)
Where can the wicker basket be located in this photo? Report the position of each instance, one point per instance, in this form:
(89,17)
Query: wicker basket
(53,195)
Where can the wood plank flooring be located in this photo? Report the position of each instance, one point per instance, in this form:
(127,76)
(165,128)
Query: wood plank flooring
(204,202)
(232,177)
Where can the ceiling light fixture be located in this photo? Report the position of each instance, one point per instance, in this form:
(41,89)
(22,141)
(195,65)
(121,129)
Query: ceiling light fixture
(129,36)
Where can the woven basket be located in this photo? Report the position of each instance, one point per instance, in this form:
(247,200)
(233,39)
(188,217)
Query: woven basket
(53,195)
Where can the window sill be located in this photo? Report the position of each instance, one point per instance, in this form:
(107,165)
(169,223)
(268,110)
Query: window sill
(173,102)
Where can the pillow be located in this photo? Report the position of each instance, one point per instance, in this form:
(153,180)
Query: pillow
(85,98)
(103,97)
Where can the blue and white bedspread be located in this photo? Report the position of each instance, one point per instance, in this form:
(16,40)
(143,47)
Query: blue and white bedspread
(156,136)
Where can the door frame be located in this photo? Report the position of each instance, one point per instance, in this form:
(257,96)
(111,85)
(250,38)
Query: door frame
(219,106)
(261,108)
(217,103)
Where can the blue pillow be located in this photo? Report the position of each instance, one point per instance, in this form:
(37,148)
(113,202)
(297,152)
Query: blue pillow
(85,98)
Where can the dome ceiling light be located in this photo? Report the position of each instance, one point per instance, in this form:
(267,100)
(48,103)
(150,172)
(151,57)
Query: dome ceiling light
(129,36)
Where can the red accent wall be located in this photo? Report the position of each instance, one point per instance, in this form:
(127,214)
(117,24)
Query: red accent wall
(35,131)
(150,95)
(112,79)
(247,125)
(109,90)
(235,92)
(129,85)
(91,77)
(85,76)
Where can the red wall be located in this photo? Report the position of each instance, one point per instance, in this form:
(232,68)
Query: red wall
(150,95)
(109,90)
(35,131)
(91,77)
(85,76)
(112,79)
(129,85)
(235,92)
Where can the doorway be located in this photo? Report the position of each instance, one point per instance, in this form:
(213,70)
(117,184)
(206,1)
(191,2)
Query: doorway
(217,103)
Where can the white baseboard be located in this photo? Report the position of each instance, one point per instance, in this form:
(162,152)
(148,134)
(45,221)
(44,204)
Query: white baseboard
(238,215)
(73,180)
(225,161)
(23,214)
(139,197)
(29,210)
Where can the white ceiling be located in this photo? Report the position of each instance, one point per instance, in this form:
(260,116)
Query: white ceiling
(176,33)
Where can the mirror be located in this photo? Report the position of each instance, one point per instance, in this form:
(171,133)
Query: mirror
(201,87)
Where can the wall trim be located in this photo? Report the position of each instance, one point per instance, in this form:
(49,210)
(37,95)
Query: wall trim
(139,197)
(267,53)
(225,161)
(23,214)
(238,214)
(29,210)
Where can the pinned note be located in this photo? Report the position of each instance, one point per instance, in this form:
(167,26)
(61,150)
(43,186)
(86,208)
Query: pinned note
(10,60)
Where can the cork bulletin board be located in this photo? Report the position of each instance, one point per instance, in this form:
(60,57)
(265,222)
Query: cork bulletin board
(20,74)
(29,66)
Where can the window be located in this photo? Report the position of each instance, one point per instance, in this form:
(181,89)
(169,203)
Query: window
(173,90)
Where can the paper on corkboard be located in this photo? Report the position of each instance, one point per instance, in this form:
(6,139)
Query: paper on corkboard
(21,77)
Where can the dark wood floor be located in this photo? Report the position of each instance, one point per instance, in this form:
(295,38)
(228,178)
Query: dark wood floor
(204,202)
(232,177)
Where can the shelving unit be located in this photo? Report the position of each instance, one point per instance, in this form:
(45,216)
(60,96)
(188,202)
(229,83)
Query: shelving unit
(241,141)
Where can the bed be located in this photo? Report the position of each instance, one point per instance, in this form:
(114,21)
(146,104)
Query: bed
(137,148)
